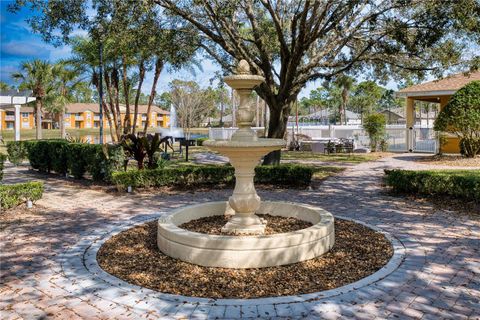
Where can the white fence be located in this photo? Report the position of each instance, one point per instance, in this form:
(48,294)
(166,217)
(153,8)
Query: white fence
(420,139)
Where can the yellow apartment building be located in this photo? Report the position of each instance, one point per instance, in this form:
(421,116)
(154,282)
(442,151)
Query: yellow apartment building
(7,117)
(82,115)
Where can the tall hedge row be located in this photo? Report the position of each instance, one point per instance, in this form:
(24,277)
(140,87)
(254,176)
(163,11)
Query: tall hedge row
(463,184)
(282,175)
(77,159)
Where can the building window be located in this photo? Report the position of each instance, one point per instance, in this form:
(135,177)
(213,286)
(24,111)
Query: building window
(24,114)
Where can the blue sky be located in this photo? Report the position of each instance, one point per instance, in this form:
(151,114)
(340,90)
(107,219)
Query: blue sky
(19,43)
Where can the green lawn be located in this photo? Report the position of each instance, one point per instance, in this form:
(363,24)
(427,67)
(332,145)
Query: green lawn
(347,158)
(325,172)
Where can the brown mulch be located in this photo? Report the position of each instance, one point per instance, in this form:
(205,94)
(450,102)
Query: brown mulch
(134,257)
(275,224)
(450,160)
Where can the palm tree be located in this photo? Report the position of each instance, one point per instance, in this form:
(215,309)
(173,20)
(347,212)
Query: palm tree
(37,76)
(345,83)
(4,86)
(66,80)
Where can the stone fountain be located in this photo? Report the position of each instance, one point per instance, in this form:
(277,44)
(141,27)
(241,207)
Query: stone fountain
(243,244)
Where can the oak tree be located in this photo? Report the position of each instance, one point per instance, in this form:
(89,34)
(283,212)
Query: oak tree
(292,42)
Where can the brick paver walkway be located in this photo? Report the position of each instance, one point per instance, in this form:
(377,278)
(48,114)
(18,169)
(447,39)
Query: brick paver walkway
(439,277)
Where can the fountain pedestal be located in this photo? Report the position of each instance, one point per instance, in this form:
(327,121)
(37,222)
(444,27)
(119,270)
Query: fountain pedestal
(244,151)
(244,157)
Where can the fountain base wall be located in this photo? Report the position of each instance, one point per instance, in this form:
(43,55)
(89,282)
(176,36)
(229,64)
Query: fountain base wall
(246,251)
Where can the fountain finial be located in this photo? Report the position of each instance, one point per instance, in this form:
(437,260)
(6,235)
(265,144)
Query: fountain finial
(243,67)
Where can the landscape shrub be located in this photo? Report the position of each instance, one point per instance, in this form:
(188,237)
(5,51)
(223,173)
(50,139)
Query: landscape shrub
(463,184)
(76,158)
(2,162)
(461,116)
(284,175)
(200,141)
(281,175)
(375,126)
(174,176)
(12,195)
(17,152)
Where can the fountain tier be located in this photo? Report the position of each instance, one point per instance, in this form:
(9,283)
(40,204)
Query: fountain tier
(244,157)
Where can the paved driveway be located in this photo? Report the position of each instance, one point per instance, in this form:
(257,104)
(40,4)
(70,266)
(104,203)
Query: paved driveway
(439,277)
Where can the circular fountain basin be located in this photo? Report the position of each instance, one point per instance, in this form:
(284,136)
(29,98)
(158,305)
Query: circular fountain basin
(246,251)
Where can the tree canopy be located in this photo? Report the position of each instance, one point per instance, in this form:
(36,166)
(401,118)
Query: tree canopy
(293,42)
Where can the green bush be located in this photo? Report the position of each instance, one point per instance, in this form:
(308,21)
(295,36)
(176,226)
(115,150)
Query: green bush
(16,151)
(375,126)
(2,161)
(200,141)
(76,158)
(174,176)
(463,184)
(15,194)
(282,175)
(461,116)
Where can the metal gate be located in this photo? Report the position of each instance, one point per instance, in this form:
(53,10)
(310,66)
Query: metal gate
(424,140)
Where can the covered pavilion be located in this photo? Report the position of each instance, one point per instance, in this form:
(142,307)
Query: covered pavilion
(437,91)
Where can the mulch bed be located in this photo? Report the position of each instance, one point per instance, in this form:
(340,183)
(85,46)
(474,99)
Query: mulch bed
(133,256)
(275,224)
(450,160)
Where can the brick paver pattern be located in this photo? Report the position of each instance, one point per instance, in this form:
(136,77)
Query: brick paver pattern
(439,278)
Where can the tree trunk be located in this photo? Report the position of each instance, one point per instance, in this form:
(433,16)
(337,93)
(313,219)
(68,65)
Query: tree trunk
(153,92)
(61,120)
(264,119)
(141,69)
(126,122)
(222,109)
(107,114)
(38,114)
(277,126)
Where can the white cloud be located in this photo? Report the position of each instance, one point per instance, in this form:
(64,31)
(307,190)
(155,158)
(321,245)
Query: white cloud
(25,49)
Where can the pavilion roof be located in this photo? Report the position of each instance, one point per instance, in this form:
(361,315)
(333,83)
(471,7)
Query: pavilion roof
(445,86)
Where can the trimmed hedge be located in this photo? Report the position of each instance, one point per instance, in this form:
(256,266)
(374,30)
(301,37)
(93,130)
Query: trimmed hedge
(282,175)
(63,157)
(2,161)
(12,195)
(17,152)
(463,184)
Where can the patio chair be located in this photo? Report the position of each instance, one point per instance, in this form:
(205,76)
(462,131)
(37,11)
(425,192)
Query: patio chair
(330,147)
(347,145)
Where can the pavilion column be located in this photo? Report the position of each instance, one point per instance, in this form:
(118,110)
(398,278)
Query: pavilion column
(17,122)
(443,102)
(410,113)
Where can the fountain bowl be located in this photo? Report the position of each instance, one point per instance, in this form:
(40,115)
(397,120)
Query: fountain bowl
(243,81)
(259,251)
